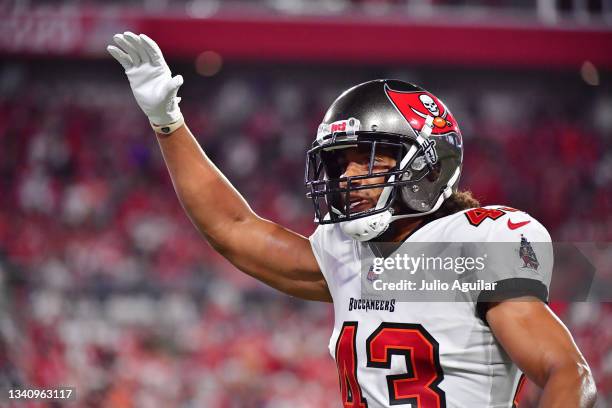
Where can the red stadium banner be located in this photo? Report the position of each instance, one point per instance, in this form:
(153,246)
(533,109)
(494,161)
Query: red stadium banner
(351,39)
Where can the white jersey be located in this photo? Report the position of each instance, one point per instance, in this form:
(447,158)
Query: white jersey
(431,354)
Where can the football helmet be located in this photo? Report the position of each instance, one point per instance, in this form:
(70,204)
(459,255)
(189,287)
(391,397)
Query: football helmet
(407,123)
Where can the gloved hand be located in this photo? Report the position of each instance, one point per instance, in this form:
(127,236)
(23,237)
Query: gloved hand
(150,78)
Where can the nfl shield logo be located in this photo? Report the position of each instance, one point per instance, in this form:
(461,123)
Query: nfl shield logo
(371,275)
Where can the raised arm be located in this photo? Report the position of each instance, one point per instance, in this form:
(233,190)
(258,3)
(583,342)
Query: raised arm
(276,256)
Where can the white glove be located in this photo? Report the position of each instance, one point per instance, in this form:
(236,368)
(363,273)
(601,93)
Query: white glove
(150,78)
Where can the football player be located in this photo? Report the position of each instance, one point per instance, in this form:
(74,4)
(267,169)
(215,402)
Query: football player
(384,167)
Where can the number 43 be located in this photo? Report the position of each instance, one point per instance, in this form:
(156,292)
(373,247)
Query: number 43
(418,386)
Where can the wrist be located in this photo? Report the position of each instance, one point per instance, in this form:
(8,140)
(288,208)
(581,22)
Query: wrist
(168,128)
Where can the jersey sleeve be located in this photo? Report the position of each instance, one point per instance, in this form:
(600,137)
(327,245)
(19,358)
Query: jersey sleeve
(519,261)
(319,245)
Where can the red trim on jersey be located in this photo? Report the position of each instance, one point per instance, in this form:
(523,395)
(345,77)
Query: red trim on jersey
(518,394)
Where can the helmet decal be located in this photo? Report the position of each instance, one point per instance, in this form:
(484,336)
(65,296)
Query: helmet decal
(415,106)
(350,126)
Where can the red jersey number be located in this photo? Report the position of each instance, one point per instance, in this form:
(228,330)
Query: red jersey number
(418,386)
(346,360)
(476,216)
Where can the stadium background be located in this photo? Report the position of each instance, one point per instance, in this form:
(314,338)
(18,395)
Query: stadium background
(104,283)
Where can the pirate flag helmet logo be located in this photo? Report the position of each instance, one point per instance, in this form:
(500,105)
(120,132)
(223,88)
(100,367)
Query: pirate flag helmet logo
(417,106)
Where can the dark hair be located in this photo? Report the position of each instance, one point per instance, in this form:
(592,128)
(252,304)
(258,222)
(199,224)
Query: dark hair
(459,201)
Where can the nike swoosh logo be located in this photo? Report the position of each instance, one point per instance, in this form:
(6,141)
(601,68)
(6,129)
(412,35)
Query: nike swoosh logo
(513,225)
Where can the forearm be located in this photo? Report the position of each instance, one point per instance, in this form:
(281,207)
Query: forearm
(570,385)
(208,198)
(264,250)
(543,348)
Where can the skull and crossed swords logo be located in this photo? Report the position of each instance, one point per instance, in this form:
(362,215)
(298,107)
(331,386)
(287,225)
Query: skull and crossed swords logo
(433,108)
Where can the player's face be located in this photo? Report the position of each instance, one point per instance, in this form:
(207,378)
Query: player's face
(355,161)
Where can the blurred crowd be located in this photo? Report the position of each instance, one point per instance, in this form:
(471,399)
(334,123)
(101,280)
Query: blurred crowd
(549,11)
(106,286)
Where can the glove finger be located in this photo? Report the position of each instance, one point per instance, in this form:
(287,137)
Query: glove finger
(122,57)
(152,48)
(127,47)
(136,42)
